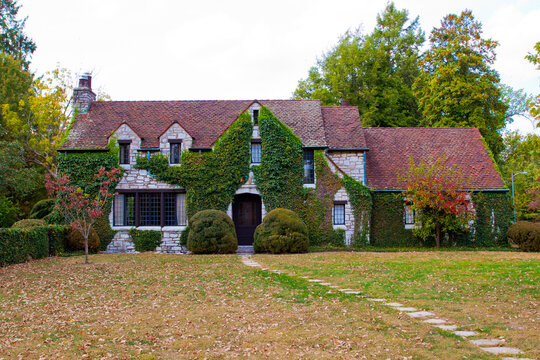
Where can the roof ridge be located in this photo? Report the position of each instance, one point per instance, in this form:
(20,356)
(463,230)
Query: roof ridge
(216,100)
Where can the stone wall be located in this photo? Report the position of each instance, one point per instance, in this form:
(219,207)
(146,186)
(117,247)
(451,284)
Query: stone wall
(351,162)
(134,179)
(170,241)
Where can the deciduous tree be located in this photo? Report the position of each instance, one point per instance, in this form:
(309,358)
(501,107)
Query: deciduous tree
(436,194)
(80,209)
(374,72)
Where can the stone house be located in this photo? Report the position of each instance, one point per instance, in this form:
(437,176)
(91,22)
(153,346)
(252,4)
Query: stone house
(371,156)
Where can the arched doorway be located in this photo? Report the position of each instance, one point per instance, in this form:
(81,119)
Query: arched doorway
(246,209)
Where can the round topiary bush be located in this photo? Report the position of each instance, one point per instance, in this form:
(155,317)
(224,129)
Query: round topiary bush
(29,223)
(75,240)
(42,208)
(211,232)
(282,231)
(525,234)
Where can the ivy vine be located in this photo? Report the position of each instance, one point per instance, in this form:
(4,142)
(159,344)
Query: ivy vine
(279,178)
(361,203)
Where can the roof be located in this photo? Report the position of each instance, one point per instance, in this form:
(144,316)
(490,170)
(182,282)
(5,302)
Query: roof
(343,127)
(205,121)
(391,148)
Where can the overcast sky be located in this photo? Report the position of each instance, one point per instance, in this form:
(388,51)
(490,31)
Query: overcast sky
(205,49)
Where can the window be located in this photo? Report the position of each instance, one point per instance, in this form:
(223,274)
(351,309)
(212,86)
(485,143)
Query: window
(255,117)
(150,209)
(309,167)
(175,146)
(339,214)
(256,153)
(124,152)
(408,215)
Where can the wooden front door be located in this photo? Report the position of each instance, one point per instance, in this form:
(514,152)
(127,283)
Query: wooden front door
(246,217)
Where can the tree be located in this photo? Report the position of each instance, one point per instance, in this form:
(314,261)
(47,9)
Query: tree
(13,40)
(435,193)
(522,154)
(80,209)
(15,82)
(374,72)
(534,104)
(457,86)
(41,120)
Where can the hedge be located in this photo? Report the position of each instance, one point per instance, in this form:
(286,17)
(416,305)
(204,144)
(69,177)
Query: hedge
(20,245)
(145,240)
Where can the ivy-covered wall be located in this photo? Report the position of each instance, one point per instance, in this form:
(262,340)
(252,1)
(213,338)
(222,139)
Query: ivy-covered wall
(493,216)
(280,176)
(81,167)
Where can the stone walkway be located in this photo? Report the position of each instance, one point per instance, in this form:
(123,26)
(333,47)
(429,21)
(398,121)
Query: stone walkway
(494,346)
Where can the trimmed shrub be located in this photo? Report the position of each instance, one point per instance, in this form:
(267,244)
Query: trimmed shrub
(29,223)
(75,240)
(20,245)
(282,231)
(42,208)
(525,234)
(211,232)
(145,240)
(57,239)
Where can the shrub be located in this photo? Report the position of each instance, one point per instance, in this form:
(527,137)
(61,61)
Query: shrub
(104,232)
(526,235)
(19,245)
(29,223)
(145,240)
(42,208)
(338,237)
(282,231)
(211,232)
(57,239)
(184,236)
(75,240)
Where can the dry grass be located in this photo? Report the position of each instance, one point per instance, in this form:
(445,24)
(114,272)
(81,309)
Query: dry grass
(150,306)
(494,293)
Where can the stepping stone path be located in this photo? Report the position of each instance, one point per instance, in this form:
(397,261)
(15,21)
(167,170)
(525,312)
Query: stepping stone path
(488,345)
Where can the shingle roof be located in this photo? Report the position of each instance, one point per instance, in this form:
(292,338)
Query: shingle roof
(390,149)
(205,121)
(343,127)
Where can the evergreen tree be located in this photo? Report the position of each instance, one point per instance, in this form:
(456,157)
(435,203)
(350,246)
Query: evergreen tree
(13,40)
(458,87)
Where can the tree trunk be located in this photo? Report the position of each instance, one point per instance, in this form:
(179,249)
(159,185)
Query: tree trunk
(86,249)
(438,236)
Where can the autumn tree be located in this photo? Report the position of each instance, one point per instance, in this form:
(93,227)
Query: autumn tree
(435,192)
(80,209)
(13,40)
(40,121)
(458,86)
(374,72)
(534,104)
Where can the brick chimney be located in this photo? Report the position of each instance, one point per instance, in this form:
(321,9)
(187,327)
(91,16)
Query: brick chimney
(83,95)
(344,103)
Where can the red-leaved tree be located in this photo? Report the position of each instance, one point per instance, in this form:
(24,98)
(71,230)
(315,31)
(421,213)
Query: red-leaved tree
(81,210)
(436,194)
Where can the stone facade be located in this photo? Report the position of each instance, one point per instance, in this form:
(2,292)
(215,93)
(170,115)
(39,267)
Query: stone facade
(124,132)
(342,195)
(175,132)
(121,243)
(351,162)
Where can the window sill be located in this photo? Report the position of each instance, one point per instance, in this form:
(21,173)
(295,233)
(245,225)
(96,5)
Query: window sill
(309,186)
(410,226)
(341,226)
(154,228)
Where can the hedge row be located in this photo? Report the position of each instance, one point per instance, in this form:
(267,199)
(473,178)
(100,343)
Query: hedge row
(20,245)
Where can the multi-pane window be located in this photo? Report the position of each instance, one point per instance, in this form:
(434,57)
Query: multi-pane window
(339,214)
(175,147)
(150,209)
(408,215)
(256,117)
(124,153)
(309,167)
(255,153)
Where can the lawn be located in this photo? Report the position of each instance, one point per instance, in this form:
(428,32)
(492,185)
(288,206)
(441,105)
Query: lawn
(494,293)
(149,306)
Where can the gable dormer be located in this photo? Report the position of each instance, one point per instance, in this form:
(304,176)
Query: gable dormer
(173,141)
(129,142)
